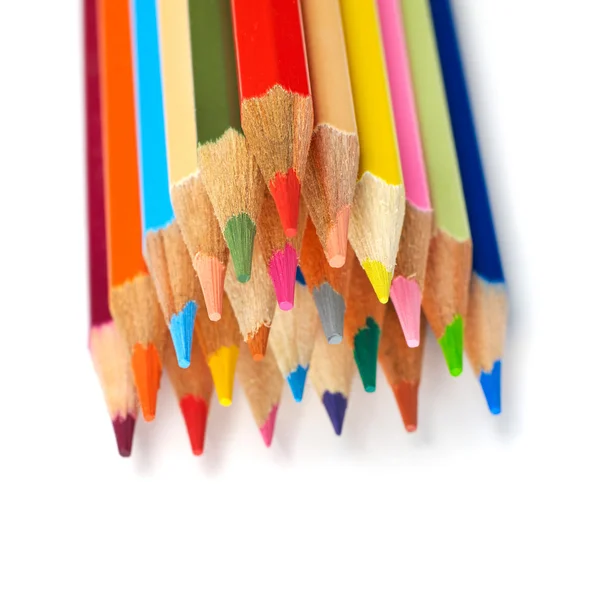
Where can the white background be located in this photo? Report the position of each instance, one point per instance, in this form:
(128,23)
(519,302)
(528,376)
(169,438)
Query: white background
(470,506)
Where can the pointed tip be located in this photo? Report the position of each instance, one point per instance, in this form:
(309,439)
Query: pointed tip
(452,346)
(492,388)
(182,333)
(147,370)
(257,342)
(380,278)
(268,427)
(406,296)
(331,308)
(285,189)
(195,413)
(407,396)
(282,270)
(211,273)
(297,380)
(124,429)
(239,234)
(366,346)
(337,239)
(222,365)
(336,404)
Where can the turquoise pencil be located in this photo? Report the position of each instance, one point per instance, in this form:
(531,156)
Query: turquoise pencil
(164,249)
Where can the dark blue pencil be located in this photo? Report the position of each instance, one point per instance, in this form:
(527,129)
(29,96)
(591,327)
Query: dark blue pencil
(486,319)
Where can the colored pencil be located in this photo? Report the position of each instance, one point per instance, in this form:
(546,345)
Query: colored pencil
(362,324)
(292,338)
(327,285)
(280,252)
(276,106)
(411,261)
(108,350)
(204,241)
(331,372)
(262,384)
(253,304)
(378,209)
(332,166)
(220,343)
(229,171)
(488,303)
(402,367)
(133,301)
(449,264)
(165,251)
(193,387)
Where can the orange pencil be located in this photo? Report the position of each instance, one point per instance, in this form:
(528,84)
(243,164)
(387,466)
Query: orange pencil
(402,366)
(133,301)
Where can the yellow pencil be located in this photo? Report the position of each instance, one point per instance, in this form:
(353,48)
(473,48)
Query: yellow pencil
(378,209)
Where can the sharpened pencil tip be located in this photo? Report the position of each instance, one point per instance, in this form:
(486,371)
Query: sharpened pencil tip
(406,297)
(257,342)
(380,278)
(331,308)
(285,189)
(211,273)
(124,429)
(491,385)
(452,346)
(222,367)
(195,413)
(239,234)
(147,369)
(282,270)
(407,397)
(366,346)
(182,333)
(297,380)
(268,427)
(336,404)
(337,239)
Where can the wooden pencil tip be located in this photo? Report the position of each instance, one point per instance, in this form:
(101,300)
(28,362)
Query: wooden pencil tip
(147,370)
(407,395)
(337,239)
(285,189)
(195,413)
(257,342)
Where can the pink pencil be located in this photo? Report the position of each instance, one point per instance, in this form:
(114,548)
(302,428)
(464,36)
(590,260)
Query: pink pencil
(411,261)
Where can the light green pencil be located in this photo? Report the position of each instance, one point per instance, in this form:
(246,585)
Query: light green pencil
(449,264)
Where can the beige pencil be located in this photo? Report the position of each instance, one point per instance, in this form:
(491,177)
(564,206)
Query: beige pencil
(253,304)
(332,165)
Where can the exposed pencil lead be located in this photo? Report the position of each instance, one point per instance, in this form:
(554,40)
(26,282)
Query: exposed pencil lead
(239,234)
(336,404)
(124,428)
(366,344)
(146,366)
(182,333)
(268,428)
(195,413)
(380,278)
(490,383)
(406,296)
(452,346)
(296,380)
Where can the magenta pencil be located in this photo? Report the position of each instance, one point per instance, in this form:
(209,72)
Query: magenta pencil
(411,261)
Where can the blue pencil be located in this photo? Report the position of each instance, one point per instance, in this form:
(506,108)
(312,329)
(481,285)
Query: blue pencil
(486,319)
(165,251)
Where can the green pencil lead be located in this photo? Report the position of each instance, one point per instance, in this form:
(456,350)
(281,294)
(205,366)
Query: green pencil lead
(452,346)
(239,235)
(366,345)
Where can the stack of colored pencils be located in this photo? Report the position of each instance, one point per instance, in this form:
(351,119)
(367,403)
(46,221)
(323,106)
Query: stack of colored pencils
(272,172)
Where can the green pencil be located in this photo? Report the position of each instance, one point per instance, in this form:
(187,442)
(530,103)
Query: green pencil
(449,264)
(228,169)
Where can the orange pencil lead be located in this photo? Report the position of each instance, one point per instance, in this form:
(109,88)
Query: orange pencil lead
(147,369)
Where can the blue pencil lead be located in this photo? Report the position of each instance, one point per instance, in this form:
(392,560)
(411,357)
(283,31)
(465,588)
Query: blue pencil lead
(490,383)
(336,405)
(182,333)
(296,380)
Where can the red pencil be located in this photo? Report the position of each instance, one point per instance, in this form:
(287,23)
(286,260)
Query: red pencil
(276,105)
